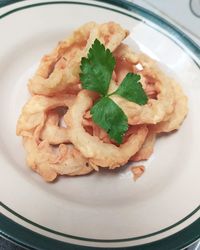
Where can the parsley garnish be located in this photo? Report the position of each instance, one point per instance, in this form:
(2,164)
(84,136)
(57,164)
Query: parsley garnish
(96,74)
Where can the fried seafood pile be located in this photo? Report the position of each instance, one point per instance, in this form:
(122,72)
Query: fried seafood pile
(59,134)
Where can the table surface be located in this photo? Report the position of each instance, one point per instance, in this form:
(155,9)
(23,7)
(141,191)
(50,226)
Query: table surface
(187,17)
(7,245)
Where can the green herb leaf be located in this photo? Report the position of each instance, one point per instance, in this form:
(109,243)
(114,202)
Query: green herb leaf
(131,89)
(96,73)
(109,116)
(97,68)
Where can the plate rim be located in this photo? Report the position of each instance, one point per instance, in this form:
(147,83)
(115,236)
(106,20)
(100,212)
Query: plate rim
(25,237)
(195,49)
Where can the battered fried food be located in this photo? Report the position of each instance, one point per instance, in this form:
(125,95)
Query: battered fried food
(179,113)
(147,148)
(137,171)
(99,153)
(35,111)
(49,162)
(156,109)
(59,134)
(60,69)
(52,131)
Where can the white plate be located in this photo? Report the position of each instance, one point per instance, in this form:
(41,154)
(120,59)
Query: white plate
(106,209)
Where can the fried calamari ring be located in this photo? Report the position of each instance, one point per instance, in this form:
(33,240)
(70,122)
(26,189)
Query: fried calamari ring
(94,130)
(52,132)
(39,126)
(34,112)
(99,153)
(178,115)
(147,148)
(156,109)
(60,69)
(49,162)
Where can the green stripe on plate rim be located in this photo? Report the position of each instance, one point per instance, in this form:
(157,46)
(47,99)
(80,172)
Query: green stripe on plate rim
(194,48)
(27,238)
(99,240)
